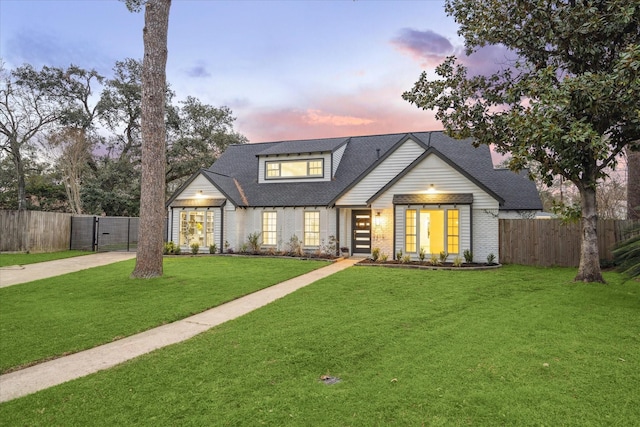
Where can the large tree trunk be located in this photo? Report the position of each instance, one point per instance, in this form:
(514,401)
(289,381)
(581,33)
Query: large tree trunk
(633,184)
(589,269)
(152,210)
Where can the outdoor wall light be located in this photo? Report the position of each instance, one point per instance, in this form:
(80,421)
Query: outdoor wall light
(377,219)
(432,189)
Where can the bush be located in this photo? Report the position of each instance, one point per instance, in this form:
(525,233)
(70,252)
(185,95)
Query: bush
(443,256)
(406,259)
(434,260)
(170,248)
(384,257)
(468,256)
(422,255)
(213,249)
(295,247)
(195,248)
(254,242)
(457,261)
(375,254)
(491,258)
(627,254)
(399,255)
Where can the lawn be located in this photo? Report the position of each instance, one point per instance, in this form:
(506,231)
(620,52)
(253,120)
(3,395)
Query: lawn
(515,346)
(51,317)
(24,259)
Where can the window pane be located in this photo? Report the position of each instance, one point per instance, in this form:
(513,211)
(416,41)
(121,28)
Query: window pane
(293,169)
(410,228)
(312,228)
(269,228)
(273,169)
(315,168)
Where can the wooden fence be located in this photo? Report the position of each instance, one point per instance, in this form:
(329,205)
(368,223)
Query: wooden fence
(34,231)
(549,242)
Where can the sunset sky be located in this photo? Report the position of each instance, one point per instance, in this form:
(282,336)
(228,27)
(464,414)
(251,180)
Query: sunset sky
(287,69)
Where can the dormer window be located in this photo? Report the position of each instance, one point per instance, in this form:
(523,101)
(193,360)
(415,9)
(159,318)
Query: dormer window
(283,169)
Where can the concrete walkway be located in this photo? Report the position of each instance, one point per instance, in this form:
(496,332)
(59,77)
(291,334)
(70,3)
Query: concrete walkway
(58,371)
(16,274)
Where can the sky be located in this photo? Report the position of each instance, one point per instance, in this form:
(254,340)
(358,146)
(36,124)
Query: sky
(287,69)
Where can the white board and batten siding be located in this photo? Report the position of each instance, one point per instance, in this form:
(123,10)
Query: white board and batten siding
(337,156)
(445,179)
(200,187)
(388,169)
(289,222)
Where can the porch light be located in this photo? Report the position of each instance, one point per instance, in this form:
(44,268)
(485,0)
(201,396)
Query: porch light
(377,219)
(432,189)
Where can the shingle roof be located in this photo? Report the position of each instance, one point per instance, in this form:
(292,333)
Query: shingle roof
(235,173)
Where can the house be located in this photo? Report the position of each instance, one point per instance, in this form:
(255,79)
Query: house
(400,192)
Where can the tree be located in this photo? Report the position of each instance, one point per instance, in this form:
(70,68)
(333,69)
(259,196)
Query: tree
(633,184)
(570,100)
(152,187)
(198,134)
(28,106)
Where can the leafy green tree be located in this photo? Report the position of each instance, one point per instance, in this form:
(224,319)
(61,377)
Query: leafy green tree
(198,134)
(570,101)
(28,107)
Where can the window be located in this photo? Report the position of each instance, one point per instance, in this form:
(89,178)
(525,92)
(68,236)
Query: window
(410,227)
(295,169)
(269,235)
(453,234)
(312,228)
(432,230)
(196,227)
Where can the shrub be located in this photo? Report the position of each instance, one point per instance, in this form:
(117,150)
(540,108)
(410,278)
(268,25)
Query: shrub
(422,254)
(295,247)
(244,248)
(177,250)
(213,249)
(457,261)
(375,254)
(406,259)
(195,248)
(434,260)
(384,257)
(254,242)
(468,256)
(491,258)
(170,248)
(443,256)
(399,255)
(627,254)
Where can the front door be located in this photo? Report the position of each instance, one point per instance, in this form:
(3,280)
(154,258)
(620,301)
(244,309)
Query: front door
(361,226)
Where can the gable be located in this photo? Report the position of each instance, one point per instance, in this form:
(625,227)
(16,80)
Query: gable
(198,188)
(433,175)
(384,172)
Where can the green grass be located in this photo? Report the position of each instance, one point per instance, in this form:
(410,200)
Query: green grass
(51,317)
(24,259)
(440,348)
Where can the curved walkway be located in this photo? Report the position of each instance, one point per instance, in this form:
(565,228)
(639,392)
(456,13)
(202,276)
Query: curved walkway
(30,380)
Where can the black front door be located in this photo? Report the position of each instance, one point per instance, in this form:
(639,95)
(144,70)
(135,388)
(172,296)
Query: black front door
(361,226)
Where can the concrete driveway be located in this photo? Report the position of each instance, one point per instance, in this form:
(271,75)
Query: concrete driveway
(16,274)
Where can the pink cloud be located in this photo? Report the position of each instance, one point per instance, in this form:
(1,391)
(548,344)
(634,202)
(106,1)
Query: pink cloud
(427,47)
(430,49)
(287,124)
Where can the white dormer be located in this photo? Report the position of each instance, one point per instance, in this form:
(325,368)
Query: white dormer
(304,161)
